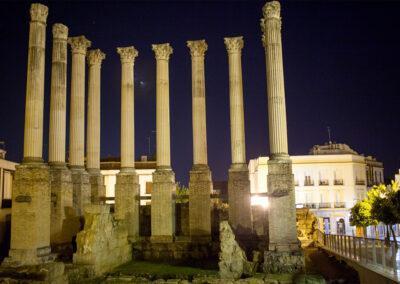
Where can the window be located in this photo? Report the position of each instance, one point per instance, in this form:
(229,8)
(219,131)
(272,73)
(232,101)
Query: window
(308,181)
(149,187)
(7,184)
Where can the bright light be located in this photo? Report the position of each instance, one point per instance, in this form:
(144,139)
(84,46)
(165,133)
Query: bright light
(259,201)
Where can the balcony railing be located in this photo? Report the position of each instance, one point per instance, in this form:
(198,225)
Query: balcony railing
(340,205)
(308,183)
(325,205)
(324,182)
(338,182)
(360,182)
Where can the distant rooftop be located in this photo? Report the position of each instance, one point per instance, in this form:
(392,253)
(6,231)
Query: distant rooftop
(332,148)
(114,163)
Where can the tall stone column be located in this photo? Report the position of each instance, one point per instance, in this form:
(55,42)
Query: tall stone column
(162,203)
(284,253)
(98,189)
(127,190)
(80,177)
(200,183)
(61,180)
(30,222)
(238,177)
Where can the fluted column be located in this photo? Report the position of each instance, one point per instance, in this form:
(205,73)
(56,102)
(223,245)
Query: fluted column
(200,183)
(79,47)
(127,189)
(58,101)
(197,52)
(162,202)
(127,55)
(271,27)
(162,54)
(238,177)
(33,134)
(234,47)
(283,242)
(95,57)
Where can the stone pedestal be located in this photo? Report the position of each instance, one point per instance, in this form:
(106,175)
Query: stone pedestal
(200,188)
(127,192)
(281,262)
(163,206)
(30,222)
(63,219)
(239,199)
(97,187)
(81,189)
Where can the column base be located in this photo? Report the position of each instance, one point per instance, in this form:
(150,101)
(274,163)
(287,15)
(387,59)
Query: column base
(282,210)
(64,223)
(283,262)
(163,205)
(240,199)
(97,187)
(81,189)
(200,188)
(30,222)
(127,202)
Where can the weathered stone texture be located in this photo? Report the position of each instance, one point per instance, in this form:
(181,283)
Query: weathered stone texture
(103,243)
(283,261)
(30,222)
(44,273)
(232,259)
(239,200)
(97,187)
(127,202)
(64,224)
(200,188)
(163,206)
(81,189)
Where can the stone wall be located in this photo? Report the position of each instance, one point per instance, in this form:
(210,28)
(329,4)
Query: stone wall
(103,243)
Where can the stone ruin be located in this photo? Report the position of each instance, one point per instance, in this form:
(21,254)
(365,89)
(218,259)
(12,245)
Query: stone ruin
(51,201)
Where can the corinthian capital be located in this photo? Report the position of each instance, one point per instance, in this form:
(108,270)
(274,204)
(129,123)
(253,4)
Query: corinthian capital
(162,51)
(60,31)
(234,44)
(197,47)
(127,54)
(79,44)
(39,13)
(272,10)
(95,56)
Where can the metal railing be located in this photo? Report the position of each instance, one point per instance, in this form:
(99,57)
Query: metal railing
(338,182)
(340,205)
(375,254)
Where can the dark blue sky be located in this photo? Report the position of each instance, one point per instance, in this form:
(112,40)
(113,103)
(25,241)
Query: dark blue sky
(341,65)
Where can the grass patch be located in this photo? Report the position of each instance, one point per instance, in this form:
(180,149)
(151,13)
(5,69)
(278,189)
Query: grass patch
(152,271)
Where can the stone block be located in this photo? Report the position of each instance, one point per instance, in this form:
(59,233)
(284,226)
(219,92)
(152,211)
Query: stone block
(103,243)
(200,188)
(64,223)
(97,187)
(163,206)
(30,222)
(127,203)
(283,261)
(239,200)
(81,189)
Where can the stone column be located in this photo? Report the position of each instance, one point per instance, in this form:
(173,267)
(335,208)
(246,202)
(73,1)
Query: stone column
(30,222)
(127,190)
(200,183)
(61,181)
(98,189)
(162,203)
(80,177)
(284,250)
(238,177)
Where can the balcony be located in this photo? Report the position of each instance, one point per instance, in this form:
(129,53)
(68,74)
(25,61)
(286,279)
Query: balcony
(325,205)
(324,182)
(310,205)
(360,182)
(340,205)
(308,183)
(338,182)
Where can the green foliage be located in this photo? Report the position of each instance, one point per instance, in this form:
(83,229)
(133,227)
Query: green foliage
(360,214)
(182,193)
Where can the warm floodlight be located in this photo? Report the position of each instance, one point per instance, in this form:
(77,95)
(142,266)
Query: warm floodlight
(259,201)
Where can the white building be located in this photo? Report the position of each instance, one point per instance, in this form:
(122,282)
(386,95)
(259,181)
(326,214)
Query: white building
(329,181)
(397,178)
(7,169)
(110,167)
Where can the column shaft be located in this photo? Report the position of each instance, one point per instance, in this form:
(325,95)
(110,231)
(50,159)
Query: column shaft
(58,101)
(79,46)
(93,125)
(33,134)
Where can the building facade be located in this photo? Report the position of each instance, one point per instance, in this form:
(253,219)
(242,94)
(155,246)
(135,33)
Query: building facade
(7,169)
(329,181)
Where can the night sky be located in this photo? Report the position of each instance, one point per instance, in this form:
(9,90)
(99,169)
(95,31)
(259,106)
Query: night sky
(341,63)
